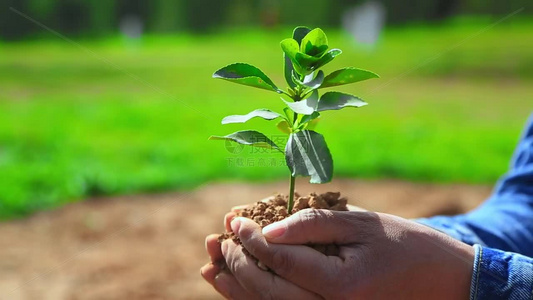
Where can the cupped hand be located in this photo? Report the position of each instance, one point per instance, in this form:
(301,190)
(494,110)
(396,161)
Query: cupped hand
(215,272)
(224,282)
(213,246)
(381,257)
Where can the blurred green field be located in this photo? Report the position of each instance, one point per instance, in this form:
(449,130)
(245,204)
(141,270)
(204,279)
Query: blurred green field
(449,107)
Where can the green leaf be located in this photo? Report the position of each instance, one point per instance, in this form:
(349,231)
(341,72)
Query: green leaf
(327,58)
(308,118)
(284,127)
(312,124)
(307,154)
(315,43)
(307,62)
(303,107)
(316,82)
(295,78)
(347,76)
(288,70)
(289,114)
(261,113)
(247,75)
(291,49)
(306,106)
(310,80)
(338,100)
(299,33)
(248,137)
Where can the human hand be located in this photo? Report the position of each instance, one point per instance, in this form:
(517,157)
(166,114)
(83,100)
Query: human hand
(381,256)
(216,272)
(213,246)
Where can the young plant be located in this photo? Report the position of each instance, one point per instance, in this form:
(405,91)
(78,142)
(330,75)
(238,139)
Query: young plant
(306,151)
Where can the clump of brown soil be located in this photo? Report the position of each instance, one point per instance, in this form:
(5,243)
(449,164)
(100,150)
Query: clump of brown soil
(275,209)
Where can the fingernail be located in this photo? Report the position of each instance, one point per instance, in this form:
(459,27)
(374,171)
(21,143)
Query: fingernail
(221,285)
(235,225)
(274,230)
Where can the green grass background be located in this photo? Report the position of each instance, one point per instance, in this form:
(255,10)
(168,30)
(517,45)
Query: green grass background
(449,108)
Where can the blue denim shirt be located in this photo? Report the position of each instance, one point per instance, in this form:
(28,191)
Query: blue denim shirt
(501,230)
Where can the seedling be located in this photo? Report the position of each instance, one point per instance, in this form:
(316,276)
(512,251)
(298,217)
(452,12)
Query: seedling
(306,151)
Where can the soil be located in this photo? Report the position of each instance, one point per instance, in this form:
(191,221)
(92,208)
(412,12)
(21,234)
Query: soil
(274,209)
(152,246)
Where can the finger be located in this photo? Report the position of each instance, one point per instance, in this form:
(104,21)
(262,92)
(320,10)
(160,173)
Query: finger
(238,208)
(209,272)
(223,282)
(299,264)
(227,220)
(228,286)
(212,246)
(259,283)
(354,208)
(320,226)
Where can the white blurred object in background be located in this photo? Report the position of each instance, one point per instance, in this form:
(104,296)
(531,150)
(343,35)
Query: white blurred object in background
(365,22)
(131,26)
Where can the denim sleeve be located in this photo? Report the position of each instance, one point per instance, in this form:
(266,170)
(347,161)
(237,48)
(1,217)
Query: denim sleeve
(504,222)
(501,275)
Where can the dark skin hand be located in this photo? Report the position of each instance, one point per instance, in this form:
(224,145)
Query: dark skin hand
(230,287)
(381,257)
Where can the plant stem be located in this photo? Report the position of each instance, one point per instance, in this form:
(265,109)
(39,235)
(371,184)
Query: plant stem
(296,98)
(290,204)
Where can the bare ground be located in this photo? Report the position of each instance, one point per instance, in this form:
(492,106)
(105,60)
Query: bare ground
(152,246)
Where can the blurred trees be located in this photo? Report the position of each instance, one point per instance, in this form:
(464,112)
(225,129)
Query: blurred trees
(102,17)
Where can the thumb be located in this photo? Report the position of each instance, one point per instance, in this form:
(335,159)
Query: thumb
(318,226)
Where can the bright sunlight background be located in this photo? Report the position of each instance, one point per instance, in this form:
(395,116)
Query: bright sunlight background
(128,107)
